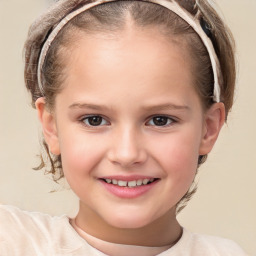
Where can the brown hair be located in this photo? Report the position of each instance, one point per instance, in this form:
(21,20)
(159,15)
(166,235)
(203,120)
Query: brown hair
(112,17)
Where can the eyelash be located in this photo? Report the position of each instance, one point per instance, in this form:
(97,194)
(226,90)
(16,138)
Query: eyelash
(170,121)
(92,116)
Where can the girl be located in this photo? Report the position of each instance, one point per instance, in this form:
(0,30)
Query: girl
(131,165)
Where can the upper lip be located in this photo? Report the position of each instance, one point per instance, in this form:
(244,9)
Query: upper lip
(128,178)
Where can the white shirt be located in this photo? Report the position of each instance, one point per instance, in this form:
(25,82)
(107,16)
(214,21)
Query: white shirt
(30,233)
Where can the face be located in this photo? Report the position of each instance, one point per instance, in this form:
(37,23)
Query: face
(129,126)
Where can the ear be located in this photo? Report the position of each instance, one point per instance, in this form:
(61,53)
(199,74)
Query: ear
(213,121)
(49,126)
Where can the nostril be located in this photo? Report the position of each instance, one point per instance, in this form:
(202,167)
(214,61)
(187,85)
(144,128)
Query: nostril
(127,158)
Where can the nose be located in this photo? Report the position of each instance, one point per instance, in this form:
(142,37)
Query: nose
(127,148)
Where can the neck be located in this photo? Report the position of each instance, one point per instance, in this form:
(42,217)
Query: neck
(161,232)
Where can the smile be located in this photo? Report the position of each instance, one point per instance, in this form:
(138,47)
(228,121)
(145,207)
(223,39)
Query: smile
(130,184)
(128,187)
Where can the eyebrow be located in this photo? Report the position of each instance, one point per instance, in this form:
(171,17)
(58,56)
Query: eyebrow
(87,106)
(167,106)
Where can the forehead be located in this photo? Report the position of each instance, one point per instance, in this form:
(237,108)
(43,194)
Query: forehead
(133,58)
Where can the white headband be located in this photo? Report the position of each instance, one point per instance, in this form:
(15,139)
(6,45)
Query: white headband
(194,22)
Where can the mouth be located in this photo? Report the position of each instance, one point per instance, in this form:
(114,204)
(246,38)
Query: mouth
(131,183)
(129,187)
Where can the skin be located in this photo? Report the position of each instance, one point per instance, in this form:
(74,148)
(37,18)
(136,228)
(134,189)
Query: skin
(127,79)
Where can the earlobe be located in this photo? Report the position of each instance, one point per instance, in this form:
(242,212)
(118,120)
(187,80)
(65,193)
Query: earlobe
(49,127)
(213,122)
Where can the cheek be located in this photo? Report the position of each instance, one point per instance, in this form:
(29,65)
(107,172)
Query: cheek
(179,162)
(80,154)
(178,154)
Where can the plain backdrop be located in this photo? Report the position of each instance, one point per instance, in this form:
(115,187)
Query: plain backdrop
(225,203)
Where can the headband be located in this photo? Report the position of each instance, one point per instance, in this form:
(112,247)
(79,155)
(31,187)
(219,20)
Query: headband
(194,22)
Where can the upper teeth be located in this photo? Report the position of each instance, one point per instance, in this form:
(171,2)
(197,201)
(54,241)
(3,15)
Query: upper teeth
(132,183)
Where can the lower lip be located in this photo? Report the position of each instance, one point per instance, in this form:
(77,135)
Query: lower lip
(128,192)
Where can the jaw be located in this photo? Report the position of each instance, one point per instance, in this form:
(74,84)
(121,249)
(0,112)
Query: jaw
(162,231)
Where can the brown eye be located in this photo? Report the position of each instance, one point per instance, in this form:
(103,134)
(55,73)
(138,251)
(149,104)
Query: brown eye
(94,121)
(160,121)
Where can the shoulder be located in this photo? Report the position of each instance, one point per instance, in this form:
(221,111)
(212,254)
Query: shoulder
(28,233)
(24,232)
(12,213)
(13,217)
(200,245)
(217,245)
(33,233)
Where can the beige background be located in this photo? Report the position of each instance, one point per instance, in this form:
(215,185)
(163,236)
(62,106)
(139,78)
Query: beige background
(225,203)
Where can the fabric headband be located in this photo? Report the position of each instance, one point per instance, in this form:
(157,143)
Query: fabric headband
(194,22)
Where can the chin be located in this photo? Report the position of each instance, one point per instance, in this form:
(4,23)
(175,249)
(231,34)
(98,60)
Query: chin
(129,221)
